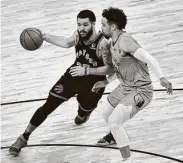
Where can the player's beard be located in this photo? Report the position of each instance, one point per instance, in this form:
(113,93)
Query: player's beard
(87,36)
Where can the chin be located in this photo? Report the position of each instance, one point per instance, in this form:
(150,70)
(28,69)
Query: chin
(83,36)
(106,36)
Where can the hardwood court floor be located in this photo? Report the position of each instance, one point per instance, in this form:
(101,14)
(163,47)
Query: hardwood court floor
(157,25)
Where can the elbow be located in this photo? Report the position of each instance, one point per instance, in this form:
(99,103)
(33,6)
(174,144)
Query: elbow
(152,61)
(110,70)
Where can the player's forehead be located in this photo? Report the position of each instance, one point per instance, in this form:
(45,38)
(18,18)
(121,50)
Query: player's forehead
(104,20)
(83,20)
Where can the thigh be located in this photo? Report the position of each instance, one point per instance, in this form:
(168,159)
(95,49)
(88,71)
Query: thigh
(136,100)
(88,100)
(116,95)
(65,87)
(106,109)
(129,105)
(119,115)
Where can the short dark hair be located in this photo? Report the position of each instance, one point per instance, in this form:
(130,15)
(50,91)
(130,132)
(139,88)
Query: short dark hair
(87,14)
(116,16)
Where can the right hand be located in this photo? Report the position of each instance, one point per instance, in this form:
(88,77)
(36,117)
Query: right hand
(98,85)
(42,34)
(168,85)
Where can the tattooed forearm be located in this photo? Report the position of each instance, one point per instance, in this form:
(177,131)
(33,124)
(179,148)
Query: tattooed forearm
(104,51)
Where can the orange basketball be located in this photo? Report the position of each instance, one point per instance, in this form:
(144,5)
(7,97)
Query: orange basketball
(31,39)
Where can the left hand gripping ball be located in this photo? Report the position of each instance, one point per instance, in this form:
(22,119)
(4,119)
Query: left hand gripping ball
(31,39)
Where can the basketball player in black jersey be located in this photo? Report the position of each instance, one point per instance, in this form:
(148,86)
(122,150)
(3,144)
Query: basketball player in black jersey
(91,48)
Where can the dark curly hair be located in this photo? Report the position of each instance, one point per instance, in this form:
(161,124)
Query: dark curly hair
(116,16)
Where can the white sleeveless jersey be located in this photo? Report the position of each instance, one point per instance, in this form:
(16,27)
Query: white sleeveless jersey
(129,70)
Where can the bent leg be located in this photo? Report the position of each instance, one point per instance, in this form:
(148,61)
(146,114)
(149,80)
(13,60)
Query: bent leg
(87,101)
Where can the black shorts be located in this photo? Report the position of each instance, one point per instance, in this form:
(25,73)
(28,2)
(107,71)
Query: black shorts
(68,86)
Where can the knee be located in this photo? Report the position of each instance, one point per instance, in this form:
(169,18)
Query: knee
(106,110)
(50,105)
(113,124)
(44,110)
(105,116)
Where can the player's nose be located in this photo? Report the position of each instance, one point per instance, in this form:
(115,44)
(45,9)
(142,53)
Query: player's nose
(81,28)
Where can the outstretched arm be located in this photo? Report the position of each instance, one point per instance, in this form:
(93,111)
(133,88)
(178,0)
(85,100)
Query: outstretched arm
(144,56)
(61,41)
(128,44)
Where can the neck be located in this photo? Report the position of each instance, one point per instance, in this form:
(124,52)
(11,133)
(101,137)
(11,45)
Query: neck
(92,37)
(116,35)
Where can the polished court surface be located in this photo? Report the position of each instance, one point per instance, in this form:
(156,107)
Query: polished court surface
(158,27)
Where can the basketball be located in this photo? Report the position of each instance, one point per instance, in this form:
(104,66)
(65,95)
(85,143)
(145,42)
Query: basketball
(31,39)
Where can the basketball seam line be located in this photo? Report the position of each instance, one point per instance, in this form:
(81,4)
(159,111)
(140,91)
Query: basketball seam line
(25,41)
(32,38)
(34,31)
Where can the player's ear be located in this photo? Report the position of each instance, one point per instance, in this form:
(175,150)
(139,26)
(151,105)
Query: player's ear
(113,27)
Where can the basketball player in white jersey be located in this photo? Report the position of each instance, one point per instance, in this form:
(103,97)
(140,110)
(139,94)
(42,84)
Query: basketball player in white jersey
(135,91)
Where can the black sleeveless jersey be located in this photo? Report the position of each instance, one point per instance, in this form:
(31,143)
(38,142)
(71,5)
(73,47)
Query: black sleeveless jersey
(86,56)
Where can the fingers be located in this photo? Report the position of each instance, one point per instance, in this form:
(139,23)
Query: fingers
(77,71)
(74,74)
(73,68)
(73,71)
(39,31)
(169,88)
(168,85)
(95,89)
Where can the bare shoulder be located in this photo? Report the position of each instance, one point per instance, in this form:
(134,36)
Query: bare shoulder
(128,44)
(104,43)
(103,47)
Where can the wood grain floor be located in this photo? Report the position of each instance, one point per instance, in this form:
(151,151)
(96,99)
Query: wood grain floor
(157,25)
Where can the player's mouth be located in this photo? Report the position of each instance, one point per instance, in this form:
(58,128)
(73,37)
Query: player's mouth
(83,33)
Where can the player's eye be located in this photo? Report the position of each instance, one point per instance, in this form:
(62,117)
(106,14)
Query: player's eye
(86,24)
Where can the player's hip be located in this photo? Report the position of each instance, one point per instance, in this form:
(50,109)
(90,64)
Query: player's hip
(128,95)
